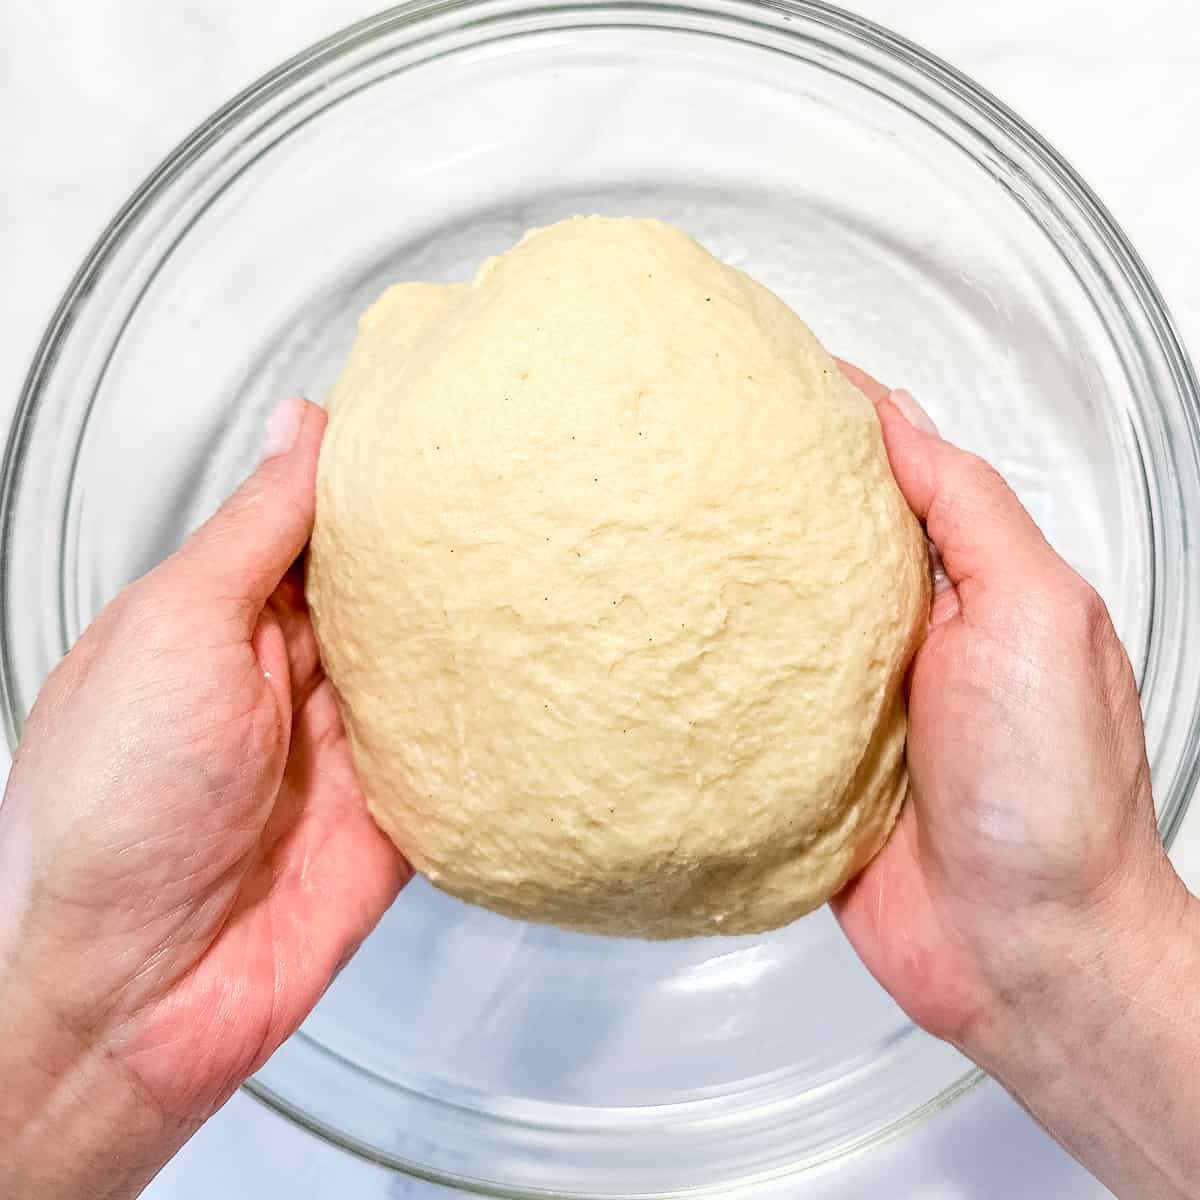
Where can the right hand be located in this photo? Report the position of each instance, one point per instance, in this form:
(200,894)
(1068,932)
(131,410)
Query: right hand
(1028,845)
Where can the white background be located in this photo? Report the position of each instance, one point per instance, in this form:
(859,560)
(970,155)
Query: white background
(93,93)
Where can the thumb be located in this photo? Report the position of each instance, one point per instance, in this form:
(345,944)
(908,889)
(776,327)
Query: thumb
(982,531)
(241,553)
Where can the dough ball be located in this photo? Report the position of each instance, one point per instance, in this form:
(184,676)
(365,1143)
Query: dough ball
(616,588)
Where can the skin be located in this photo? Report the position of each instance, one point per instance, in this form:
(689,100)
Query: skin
(186,858)
(194,855)
(1024,908)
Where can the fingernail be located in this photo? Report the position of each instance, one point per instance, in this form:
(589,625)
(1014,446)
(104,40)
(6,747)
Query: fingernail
(283,428)
(913,413)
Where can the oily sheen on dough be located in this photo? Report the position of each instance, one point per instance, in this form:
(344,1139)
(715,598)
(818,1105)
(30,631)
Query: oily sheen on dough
(616,589)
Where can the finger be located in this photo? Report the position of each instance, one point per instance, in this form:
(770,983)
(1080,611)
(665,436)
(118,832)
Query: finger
(288,606)
(944,604)
(878,392)
(870,387)
(981,530)
(911,411)
(239,555)
(322,834)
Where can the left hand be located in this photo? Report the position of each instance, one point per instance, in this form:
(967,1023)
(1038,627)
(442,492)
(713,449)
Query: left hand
(186,858)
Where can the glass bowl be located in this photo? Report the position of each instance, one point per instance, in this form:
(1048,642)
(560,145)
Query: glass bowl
(925,233)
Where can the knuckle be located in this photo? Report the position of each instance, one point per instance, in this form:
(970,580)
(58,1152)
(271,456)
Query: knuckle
(970,488)
(1090,609)
(148,614)
(1081,614)
(979,477)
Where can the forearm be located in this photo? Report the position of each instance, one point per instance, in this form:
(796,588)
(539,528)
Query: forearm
(1104,1050)
(74,1126)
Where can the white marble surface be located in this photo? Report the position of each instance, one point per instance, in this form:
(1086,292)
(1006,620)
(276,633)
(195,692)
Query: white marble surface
(93,95)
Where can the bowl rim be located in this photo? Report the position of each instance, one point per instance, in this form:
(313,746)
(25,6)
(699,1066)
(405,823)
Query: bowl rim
(942,77)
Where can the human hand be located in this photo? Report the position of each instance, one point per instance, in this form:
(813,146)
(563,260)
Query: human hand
(1024,907)
(1030,827)
(185,855)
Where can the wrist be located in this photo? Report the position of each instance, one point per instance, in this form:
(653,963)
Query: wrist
(72,1121)
(1096,1038)
(1081,970)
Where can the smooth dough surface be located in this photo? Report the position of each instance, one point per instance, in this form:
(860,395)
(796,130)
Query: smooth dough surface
(616,588)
